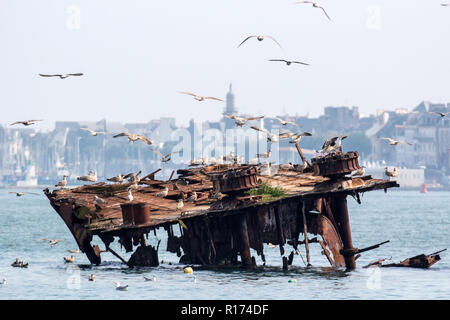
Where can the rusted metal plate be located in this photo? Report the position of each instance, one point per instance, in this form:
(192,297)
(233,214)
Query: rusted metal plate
(335,164)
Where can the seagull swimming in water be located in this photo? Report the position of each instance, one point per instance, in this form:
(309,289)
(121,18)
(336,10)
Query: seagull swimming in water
(19,194)
(73,251)
(121,288)
(241,121)
(274,137)
(61,76)
(315,5)
(132,137)
(200,98)
(26,122)
(52,242)
(70,259)
(393,142)
(192,197)
(260,38)
(180,204)
(150,279)
(92,132)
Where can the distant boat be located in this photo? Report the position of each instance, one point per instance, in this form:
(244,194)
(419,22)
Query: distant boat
(424,188)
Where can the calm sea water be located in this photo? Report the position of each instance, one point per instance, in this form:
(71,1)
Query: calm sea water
(414,223)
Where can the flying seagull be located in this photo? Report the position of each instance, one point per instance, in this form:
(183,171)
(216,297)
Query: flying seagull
(133,137)
(274,137)
(297,137)
(315,5)
(289,62)
(61,76)
(260,38)
(284,122)
(241,121)
(200,98)
(393,142)
(165,158)
(94,133)
(442,114)
(26,122)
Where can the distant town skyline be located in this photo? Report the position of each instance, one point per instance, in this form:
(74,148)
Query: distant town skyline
(136,58)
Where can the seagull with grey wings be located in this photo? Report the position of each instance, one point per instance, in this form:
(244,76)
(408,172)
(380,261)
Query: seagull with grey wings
(25,122)
(274,137)
(284,122)
(133,137)
(62,76)
(289,62)
(260,38)
(298,136)
(165,158)
(199,97)
(241,121)
(332,145)
(118,178)
(315,5)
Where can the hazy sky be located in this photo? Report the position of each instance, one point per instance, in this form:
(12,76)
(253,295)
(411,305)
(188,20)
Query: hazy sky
(137,55)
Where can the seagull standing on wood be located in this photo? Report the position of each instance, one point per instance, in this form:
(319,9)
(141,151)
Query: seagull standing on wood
(91,177)
(130,195)
(163,193)
(61,76)
(360,172)
(119,178)
(25,122)
(260,38)
(100,200)
(200,98)
(121,288)
(274,137)
(393,173)
(315,5)
(62,183)
(180,204)
(132,137)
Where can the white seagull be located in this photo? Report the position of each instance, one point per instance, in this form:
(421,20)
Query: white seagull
(200,98)
(315,5)
(162,193)
(241,121)
(132,137)
(92,132)
(62,183)
(260,38)
(121,288)
(393,142)
(165,158)
(393,173)
(91,177)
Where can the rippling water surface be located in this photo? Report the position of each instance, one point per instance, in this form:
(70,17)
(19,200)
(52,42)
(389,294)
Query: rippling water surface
(414,223)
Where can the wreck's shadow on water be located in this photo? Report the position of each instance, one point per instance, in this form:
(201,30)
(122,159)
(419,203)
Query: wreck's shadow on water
(414,223)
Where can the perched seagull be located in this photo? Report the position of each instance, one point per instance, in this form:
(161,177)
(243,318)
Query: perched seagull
(19,194)
(162,193)
(260,38)
(133,177)
(289,62)
(229,157)
(442,114)
(119,178)
(121,288)
(94,133)
(62,183)
(333,144)
(241,121)
(180,204)
(100,200)
(284,122)
(218,195)
(73,251)
(130,195)
(197,162)
(303,166)
(3,281)
(150,279)
(165,158)
(264,155)
(201,98)
(91,177)
(393,142)
(132,137)
(71,259)
(360,172)
(92,277)
(315,5)
(52,241)
(61,76)
(193,196)
(286,166)
(26,122)
(392,173)
(297,137)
